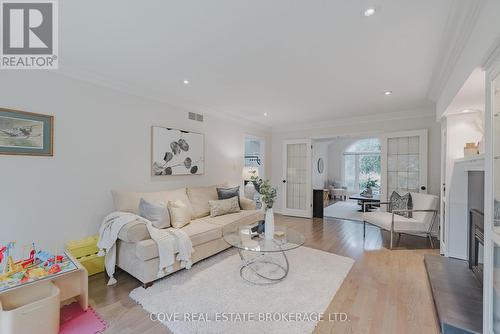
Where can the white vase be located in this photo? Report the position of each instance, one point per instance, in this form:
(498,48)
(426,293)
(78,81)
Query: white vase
(269,225)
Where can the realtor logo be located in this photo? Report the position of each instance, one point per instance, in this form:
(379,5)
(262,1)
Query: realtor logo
(29,34)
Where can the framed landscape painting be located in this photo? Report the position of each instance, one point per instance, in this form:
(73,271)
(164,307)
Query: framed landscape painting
(24,133)
(177,152)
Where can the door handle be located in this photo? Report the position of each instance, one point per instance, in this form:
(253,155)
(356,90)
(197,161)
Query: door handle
(423,187)
(284,181)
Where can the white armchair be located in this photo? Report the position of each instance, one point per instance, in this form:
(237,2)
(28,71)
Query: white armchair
(424,214)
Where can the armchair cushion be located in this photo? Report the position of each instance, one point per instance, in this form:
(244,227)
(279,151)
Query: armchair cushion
(424,202)
(401,224)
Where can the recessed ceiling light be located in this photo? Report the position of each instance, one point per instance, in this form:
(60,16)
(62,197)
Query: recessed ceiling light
(265,114)
(467,111)
(389,92)
(186,82)
(369,11)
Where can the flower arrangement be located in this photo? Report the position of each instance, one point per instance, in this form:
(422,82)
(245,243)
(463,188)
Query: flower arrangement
(267,192)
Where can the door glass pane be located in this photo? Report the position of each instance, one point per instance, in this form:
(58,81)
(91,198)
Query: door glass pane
(403,164)
(296,176)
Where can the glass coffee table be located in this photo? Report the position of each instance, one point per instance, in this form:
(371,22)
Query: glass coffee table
(264,261)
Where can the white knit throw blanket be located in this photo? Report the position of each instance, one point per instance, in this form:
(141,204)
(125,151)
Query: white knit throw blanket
(170,242)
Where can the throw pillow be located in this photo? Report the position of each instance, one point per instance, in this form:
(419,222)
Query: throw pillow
(156,212)
(180,213)
(224,206)
(398,202)
(226,193)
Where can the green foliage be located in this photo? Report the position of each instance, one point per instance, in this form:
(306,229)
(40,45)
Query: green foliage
(267,192)
(369,164)
(370,180)
(365,145)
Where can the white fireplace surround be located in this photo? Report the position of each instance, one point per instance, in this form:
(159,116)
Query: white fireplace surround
(456,221)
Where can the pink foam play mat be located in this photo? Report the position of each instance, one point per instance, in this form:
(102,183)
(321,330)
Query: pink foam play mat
(74,320)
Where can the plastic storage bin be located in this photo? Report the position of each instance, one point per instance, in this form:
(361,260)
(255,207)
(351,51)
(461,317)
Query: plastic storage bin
(33,309)
(85,251)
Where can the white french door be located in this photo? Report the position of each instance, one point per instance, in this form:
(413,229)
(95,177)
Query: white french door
(404,162)
(297,190)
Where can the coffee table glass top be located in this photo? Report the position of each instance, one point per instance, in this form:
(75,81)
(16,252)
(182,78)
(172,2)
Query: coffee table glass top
(374,198)
(284,240)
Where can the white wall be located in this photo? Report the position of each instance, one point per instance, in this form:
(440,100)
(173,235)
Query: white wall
(463,128)
(364,127)
(336,158)
(319,150)
(484,35)
(102,141)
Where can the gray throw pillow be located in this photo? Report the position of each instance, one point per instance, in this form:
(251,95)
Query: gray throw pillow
(226,193)
(157,213)
(398,202)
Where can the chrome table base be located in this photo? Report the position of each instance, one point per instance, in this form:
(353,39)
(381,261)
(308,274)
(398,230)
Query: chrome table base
(257,270)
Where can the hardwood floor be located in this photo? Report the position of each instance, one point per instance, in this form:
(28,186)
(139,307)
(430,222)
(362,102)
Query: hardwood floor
(385,291)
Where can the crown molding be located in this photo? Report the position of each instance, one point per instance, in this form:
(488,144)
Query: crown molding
(492,58)
(138,91)
(364,119)
(460,23)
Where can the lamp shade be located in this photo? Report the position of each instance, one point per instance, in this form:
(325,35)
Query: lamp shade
(249,172)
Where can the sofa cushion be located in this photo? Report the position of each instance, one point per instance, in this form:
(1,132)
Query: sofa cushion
(198,231)
(230,222)
(134,232)
(401,224)
(129,200)
(199,198)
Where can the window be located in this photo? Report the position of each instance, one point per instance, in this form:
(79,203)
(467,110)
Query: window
(362,165)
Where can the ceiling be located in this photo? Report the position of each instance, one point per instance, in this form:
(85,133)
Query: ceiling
(298,61)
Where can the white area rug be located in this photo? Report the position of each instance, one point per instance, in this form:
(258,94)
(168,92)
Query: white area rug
(344,210)
(214,286)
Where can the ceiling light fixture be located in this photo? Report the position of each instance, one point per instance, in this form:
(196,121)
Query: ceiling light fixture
(465,111)
(186,82)
(265,114)
(369,12)
(388,92)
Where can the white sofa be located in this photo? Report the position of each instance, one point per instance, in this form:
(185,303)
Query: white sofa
(424,214)
(137,253)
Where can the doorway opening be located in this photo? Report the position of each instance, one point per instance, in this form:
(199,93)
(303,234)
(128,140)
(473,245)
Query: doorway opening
(254,154)
(351,165)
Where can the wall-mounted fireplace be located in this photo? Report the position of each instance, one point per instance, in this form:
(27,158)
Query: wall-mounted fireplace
(476,222)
